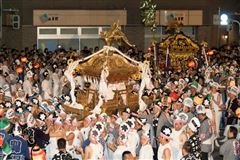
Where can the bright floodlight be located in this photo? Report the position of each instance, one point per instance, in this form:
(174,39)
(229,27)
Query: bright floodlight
(224,19)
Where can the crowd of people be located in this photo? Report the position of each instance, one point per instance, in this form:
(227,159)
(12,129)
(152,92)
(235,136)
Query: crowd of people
(191,110)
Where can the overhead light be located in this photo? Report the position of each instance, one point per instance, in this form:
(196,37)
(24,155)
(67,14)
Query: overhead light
(224,19)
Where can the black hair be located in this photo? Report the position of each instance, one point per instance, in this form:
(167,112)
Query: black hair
(187,146)
(61,143)
(234,131)
(125,153)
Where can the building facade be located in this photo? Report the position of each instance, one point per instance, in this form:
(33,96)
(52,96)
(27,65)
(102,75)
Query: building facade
(77,23)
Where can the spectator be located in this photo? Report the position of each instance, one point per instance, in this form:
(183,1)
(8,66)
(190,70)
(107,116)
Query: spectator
(186,152)
(63,154)
(230,149)
(127,155)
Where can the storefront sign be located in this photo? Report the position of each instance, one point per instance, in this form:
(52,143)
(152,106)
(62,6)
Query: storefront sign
(46,18)
(186,17)
(78,17)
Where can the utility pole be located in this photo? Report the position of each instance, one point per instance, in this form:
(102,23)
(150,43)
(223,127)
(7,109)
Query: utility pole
(218,29)
(1,19)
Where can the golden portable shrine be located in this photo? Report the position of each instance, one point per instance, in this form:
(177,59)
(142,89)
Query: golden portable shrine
(181,49)
(107,76)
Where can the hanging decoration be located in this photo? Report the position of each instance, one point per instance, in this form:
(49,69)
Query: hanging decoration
(148,14)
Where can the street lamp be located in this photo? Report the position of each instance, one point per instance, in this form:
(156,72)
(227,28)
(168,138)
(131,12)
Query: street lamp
(224,19)
(225,36)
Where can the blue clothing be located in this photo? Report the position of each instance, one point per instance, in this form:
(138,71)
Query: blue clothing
(6,139)
(19,149)
(108,153)
(21,77)
(85,144)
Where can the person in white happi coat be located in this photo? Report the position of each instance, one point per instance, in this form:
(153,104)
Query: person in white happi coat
(133,137)
(20,95)
(13,80)
(5,68)
(187,107)
(164,149)
(27,84)
(113,125)
(146,151)
(139,125)
(2,80)
(209,111)
(178,135)
(69,137)
(125,114)
(193,137)
(62,81)
(56,83)
(76,141)
(216,102)
(7,91)
(108,144)
(230,148)
(231,107)
(205,132)
(84,131)
(46,86)
(94,150)
(181,85)
(122,147)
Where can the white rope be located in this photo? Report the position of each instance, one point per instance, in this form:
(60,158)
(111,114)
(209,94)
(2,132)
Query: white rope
(88,57)
(145,79)
(125,56)
(68,73)
(107,49)
(103,90)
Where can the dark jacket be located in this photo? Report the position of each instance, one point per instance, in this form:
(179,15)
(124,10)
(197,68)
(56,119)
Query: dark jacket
(233,106)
